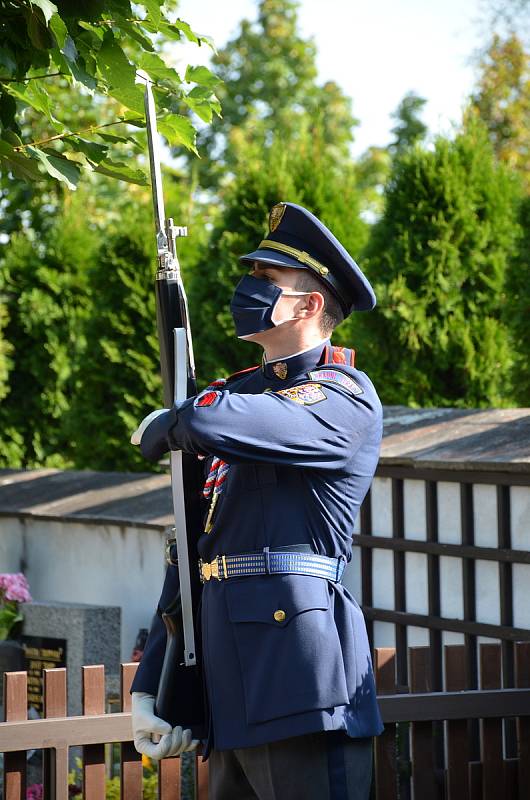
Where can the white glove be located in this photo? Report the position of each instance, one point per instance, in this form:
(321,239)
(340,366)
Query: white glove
(174,741)
(136,438)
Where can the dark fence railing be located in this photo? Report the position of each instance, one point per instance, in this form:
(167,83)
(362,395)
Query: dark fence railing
(449,745)
(471,666)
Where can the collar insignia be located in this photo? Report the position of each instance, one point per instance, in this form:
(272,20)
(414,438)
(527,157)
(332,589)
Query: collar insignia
(276,215)
(280,368)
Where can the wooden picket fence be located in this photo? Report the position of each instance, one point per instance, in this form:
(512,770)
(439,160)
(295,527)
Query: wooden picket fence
(450,745)
(436,745)
(56,732)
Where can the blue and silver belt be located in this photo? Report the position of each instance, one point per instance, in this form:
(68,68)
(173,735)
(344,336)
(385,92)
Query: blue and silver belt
(272,562)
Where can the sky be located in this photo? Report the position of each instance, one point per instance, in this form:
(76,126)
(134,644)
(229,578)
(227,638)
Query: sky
(376,50)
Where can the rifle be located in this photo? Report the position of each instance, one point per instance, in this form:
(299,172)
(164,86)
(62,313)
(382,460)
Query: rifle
(180,696)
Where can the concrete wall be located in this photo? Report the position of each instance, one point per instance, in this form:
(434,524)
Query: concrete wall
(87,563)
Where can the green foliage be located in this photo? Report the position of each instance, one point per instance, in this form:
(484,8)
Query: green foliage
(95,50)
(438,259)
(117,379)
(517,309)
(78,345)
(6,349)
(502,101)
(409,128)
(270,89)
(300,172)
(45,291)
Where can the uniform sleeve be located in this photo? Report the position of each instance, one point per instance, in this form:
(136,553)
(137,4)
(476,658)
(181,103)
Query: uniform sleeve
(147,675)
(310,425)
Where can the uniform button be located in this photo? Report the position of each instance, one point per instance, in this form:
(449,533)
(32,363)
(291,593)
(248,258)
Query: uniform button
(279,615)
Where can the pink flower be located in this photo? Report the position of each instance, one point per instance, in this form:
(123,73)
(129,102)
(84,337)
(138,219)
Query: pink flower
(35,792)
(14,586)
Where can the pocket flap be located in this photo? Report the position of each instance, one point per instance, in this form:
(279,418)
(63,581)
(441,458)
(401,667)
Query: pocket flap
(274,599)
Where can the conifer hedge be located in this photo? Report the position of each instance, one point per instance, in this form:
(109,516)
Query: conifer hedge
(439,259)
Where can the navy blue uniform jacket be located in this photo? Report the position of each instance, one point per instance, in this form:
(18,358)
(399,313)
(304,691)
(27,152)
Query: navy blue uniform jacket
(301,462)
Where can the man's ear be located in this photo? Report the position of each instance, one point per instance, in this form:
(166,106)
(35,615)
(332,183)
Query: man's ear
(313,305)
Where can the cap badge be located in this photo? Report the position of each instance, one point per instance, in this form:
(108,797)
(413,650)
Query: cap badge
(276,215)
(280,370)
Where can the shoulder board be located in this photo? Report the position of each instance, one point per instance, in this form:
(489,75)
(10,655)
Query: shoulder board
(242,372)
(333,354)
(336,376)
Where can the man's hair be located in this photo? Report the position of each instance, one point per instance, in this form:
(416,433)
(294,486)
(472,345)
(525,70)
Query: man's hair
(332,313)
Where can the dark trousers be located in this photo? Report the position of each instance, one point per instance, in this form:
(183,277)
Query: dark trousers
(318,766)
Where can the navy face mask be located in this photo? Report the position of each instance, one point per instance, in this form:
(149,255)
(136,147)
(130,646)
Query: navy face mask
(253,304)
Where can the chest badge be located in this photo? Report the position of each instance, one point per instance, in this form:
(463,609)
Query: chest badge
(280,370)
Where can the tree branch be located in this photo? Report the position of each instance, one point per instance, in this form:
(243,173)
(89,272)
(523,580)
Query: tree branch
(32,77)
(91,129)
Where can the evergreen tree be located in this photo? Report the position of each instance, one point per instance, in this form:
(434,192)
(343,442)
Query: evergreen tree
(117,381)
(438,260)
(409,128)
(45,291)
(502,101)
(270,89)
(6,349)
(373,167)
(517,309)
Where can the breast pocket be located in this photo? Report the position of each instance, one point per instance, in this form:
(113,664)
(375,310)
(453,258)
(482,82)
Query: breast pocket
(288,645)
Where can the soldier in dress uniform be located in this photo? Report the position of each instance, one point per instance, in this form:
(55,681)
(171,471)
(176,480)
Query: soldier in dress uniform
(291,447)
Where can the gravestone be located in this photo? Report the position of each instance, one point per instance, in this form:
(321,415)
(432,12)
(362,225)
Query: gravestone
(88,634)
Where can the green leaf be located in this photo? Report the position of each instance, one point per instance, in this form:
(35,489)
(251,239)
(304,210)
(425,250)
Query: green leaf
(134,31)
(175,31)
(74,67)
(119,74)
(12,138)
(93,151)
(178,130)
(116,169)
(157,69)
(82,76)
(34,95)
(7,60)
(20,165)
(111,137)
(38,31)
(202,75)
(190,35)
(60,168)
(203,103)
(59,30)
(69,49)
(154,11)
(8,109)
(47,8)
(96,31)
